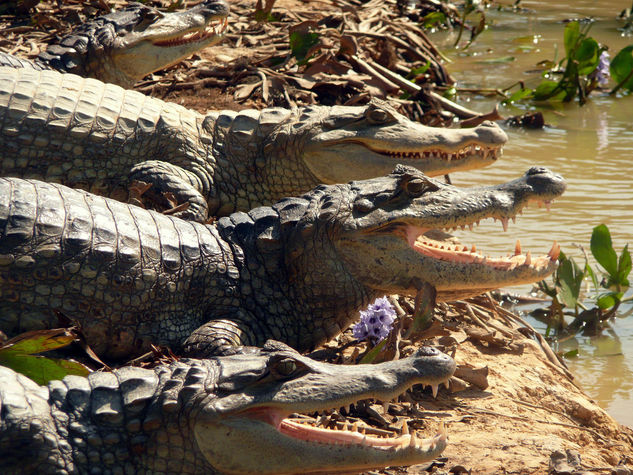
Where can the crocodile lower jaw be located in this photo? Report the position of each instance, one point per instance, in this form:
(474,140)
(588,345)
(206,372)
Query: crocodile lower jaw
(462,254)
(214,29)
(306,429)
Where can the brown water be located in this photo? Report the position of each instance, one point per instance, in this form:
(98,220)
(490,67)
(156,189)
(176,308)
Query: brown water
(591,146)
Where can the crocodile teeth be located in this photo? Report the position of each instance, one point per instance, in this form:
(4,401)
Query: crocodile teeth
(434,389)
(517,248)
(405,428)
(504,223)
(528,258)
(554,251)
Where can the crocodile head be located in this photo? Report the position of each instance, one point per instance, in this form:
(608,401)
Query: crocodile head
(342,143)
(377,233)
(244,426)
(124,46)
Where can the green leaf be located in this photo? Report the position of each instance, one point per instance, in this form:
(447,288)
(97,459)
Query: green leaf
(570,36)
(41,369)
(608,300)
(571,353)
(519,95)
(624,267)
(373,353)
(594,279)
(418,71)
(300,44)
(587,56)
(502,59)
(38,341)
(17,354)
(602,250)
(621,67)
(433,19)
(545,90)
(569,280)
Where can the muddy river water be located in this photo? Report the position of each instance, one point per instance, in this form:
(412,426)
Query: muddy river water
(591,146)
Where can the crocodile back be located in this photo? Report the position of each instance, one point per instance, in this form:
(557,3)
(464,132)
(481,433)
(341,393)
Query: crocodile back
(128,276)
(85,133)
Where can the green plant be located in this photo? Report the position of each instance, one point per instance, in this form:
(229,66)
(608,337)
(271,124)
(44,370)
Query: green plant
(584,68)
(21,355)
(608,290)
(303,45)
(471,6)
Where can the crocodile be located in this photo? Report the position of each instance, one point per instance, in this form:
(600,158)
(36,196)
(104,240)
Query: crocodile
(99,137)
(298,271)
(124,46)
(227,414)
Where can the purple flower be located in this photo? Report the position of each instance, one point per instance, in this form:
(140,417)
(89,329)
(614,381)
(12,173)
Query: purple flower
(376,321)
(601,73)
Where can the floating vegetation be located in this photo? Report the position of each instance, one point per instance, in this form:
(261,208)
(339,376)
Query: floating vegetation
(610,282)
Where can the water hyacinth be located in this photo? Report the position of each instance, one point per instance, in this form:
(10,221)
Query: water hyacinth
(601,73)
(375,322)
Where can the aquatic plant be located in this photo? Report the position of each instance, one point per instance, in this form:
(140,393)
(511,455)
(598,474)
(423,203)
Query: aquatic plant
(584,68)
(375,322)
(609,286)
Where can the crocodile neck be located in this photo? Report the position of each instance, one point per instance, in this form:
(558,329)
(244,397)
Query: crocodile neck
(241,142)
(292,299)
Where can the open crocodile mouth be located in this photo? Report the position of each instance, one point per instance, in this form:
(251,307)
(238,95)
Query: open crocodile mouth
(485,151)
(214,29)
(306,428)
(462,254)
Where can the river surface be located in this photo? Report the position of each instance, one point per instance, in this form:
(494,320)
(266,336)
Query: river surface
(591,146)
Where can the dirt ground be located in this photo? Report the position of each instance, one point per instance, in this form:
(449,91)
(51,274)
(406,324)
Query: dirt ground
(513,407)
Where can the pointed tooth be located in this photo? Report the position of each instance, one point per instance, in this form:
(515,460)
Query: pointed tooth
(434,388)
(517,248)
(412,440)
(514,219)
(548,205)
(504,223)
(405,428)
(554,251)
(528,258)
(385,407)
(361,430)
(473,249)
(471,227)
(355,426)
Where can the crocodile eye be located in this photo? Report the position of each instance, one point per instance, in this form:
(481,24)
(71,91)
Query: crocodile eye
(363,205)
(150,15)
(284,368)
(416,186)
(378,116)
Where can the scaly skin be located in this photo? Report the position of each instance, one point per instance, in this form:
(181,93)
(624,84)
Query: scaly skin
(84,134)
(297,272)
(124,46)
(223,415)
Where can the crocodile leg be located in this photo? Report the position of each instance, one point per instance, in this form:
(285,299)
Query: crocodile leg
(182,184)
(220,337)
